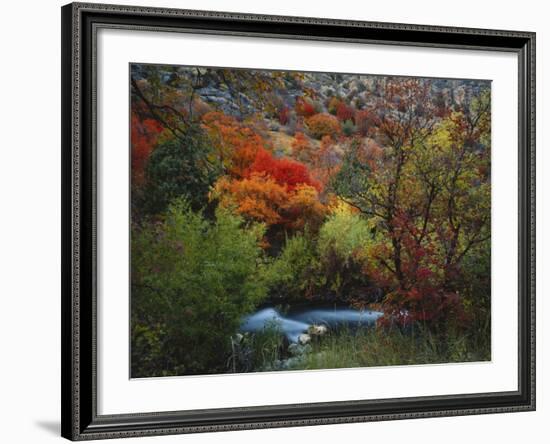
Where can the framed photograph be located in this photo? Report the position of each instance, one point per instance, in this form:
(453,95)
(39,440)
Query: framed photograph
(281,221)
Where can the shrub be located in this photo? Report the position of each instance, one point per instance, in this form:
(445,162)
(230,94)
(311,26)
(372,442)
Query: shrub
(341,247)
(284,115)
(321,125)
(345,112)
(200,108)
(292,274)
(331,266)
(192,281)
(232,142)
(436,309)
(285,171)
(348,128)
(318,106)
(258,197)
(301,147)
(475,287)
(178,168)
(304,107)
(292,124)
(365,121)
(345,234)
(332,105)
(304,208)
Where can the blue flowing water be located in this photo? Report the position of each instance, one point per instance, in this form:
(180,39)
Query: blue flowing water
(297,321)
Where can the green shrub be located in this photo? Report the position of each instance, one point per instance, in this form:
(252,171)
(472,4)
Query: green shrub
(179,168)
(292,274)
(192,281)
(344,233)
(342,251)
(348,128)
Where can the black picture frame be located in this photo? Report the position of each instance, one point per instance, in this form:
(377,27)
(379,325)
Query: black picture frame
(80,420)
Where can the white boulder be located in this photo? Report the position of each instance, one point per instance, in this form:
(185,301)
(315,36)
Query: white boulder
(304,339)
(317,330)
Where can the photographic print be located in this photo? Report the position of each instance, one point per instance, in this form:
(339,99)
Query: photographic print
(287,220)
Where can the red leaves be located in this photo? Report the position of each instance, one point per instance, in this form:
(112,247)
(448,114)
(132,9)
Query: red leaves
(345,112)
(417,290)
(260,186)
(304,107)
(430,305)
(284,115)
(274,191)
(144,135)
(423,273)
(285,171)
(366,122)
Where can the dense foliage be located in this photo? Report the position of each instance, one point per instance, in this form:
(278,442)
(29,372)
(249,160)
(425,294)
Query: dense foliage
(192,281)
(255,187)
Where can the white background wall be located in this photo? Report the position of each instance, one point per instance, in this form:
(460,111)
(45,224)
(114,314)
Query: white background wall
(30,222)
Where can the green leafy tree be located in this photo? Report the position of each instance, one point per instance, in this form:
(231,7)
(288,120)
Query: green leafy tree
(192,282)
(181,167)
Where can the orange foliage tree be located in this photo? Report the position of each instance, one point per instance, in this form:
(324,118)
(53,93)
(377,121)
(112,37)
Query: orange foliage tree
(321,125)
(258,185)
(277,192)
(304,208)
(258,197)
(236,144)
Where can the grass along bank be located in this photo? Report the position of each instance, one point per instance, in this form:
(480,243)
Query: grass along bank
(343,348)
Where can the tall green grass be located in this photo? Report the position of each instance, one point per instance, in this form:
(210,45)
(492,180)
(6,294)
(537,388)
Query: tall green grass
(344,348)
(372,347)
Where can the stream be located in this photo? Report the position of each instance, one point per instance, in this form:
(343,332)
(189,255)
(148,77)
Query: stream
(296,320)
